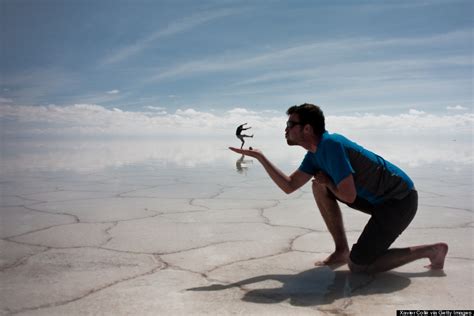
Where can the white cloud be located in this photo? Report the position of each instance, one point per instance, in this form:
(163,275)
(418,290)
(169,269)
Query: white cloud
(240,111)
(456,108)
(415,112)
(412,122)
(113,91)
(155,108)
(95,120)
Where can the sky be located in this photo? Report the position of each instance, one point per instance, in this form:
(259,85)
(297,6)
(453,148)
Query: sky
(109,66)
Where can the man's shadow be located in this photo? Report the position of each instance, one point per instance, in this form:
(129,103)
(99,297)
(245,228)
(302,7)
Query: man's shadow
(319,286)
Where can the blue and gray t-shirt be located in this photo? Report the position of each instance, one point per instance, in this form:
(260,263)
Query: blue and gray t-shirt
(376,179)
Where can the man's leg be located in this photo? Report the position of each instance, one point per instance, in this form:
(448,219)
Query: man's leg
(371,253)
(394,258)
(331,213)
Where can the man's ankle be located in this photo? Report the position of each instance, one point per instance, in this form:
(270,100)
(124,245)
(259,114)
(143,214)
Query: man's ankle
(342,249)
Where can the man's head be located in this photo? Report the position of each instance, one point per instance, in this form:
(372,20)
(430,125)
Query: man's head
(304,121)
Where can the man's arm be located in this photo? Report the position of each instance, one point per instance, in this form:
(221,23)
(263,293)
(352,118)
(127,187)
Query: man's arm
(344,191)
(288,184)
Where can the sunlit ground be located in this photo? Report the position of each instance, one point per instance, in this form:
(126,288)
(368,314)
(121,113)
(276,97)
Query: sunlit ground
(129,226)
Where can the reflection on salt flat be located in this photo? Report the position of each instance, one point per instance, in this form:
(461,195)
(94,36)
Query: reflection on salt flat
(92,156)
(183,214)
(242,164)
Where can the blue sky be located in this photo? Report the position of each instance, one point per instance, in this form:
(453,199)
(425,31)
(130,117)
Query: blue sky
(348,56)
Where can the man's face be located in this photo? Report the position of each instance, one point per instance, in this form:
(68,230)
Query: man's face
(293,130)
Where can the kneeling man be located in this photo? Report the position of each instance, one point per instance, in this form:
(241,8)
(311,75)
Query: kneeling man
(343,171)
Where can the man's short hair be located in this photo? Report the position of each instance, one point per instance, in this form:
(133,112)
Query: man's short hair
(310,114)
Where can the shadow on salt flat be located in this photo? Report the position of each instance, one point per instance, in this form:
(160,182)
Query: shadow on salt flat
(321,286)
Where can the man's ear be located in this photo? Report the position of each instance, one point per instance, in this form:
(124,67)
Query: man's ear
(308,129)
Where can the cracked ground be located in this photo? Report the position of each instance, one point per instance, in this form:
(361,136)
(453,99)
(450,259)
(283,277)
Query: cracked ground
(149,239)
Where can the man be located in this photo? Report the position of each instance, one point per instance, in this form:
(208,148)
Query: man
(238,133)
(346,172)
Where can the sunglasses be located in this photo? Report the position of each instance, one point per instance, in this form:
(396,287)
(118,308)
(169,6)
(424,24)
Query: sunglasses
(291,124)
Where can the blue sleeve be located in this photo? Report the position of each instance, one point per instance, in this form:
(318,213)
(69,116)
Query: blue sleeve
(307,165)
(337,162)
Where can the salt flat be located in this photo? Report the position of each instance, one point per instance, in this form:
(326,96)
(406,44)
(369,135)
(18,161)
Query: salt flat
(201,232)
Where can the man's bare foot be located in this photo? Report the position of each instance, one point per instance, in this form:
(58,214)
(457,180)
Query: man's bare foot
(437,258)
(336,258)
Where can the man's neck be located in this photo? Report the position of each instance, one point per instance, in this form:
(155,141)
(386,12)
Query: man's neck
(312,144)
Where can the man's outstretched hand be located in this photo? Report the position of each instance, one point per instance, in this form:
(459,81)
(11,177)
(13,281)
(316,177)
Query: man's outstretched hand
(252,152)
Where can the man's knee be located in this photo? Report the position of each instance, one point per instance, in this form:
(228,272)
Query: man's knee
(319,189)
(322,191)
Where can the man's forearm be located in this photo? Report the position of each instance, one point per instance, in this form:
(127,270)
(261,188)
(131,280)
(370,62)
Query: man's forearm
(282,180)
(340,195)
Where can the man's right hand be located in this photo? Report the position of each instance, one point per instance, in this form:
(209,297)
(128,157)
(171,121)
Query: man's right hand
(248,152)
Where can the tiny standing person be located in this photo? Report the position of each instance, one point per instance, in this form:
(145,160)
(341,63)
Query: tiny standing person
(241,136)
(343,171)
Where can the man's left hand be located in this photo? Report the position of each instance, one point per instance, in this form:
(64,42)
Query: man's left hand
(321,178)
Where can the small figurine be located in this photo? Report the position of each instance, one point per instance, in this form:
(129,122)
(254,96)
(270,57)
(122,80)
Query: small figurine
(240,136)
